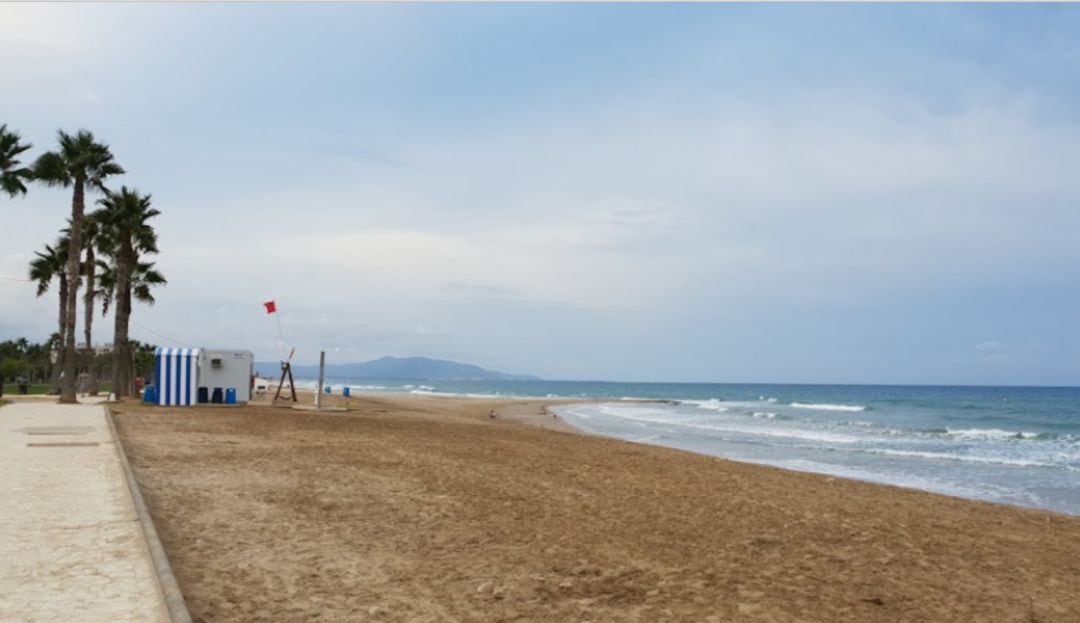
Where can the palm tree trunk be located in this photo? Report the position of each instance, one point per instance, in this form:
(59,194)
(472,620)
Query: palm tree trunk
(67,385)
(121,381)
(57,366)
(88,319)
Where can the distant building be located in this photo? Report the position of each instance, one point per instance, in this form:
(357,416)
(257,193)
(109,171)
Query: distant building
(99,349)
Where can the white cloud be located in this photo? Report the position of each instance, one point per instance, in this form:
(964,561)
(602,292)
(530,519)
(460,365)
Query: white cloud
(635,203)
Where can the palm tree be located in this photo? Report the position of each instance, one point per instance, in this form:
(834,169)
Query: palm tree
(126,235)
(91,227)
(48,265)
(12,175)
(83,164)
(142,279)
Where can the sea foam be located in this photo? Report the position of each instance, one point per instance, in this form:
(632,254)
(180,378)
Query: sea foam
(827,407)
(989,433)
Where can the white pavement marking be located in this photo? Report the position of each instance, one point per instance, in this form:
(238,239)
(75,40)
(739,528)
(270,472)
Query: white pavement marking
(71,548)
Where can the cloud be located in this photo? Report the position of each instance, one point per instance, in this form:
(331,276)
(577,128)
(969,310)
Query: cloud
(437,186)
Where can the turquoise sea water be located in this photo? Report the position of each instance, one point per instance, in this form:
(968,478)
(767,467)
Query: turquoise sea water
(1014,445)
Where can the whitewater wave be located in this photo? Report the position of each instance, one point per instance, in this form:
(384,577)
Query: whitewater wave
(969,458)
(428,392)
(993,433)
(666,418)
(982,491)
(712,404)
(826,406)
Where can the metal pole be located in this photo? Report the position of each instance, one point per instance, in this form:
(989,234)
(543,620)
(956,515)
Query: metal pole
(281,336)
(322,375)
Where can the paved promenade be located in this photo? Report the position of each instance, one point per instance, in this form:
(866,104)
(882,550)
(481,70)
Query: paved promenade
(71,548)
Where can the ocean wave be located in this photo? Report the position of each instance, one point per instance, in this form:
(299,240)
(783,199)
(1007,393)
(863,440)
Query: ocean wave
(429,392)
(768,415)
(666,418)
(982,491)
(827,407)
(995,433)
(574,413)
(491,396)
(715,404)
(712,404)
(968,458)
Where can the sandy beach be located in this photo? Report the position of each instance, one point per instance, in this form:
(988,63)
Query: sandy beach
(418,508)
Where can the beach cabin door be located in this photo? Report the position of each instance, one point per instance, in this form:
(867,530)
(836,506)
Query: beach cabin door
(176,375)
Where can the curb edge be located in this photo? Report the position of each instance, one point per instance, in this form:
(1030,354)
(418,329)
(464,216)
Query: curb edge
(170,590)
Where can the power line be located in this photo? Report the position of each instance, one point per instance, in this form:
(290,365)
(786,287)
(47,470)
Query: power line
(148,329)
(164,337)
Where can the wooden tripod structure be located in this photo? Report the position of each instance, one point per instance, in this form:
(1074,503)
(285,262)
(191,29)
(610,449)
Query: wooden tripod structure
(286,371)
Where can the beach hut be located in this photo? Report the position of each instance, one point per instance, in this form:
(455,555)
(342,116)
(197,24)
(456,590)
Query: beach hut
(188,376)
(176,374)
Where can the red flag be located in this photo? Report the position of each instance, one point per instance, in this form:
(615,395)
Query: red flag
(270,307)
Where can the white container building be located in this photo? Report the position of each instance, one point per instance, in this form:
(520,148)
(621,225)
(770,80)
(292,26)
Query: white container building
(187,376)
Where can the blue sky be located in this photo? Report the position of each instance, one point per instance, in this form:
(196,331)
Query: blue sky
(774,193)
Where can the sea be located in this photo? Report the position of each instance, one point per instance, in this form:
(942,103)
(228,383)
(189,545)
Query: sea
(1012,445)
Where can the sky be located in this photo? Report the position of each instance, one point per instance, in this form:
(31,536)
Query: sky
(707,193)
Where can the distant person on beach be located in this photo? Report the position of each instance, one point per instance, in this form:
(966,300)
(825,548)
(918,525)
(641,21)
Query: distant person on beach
(492,414)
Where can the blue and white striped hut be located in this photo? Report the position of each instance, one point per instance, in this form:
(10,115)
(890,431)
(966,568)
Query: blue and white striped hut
(176,375)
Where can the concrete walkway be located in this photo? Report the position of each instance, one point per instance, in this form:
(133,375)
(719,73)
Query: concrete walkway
(71,547)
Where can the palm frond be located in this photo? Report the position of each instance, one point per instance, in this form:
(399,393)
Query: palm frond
(11,144)
(106,285)
(48,265)
(124,220)
(51,169)
(80,157)
(12,175)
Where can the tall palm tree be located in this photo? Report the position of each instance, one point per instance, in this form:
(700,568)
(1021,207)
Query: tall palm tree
(83,164)
(48,265)
(91,227)
(12,176)
(125,237)
(88,269)
(142,280)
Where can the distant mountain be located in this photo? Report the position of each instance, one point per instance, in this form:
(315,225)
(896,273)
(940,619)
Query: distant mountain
(397,369)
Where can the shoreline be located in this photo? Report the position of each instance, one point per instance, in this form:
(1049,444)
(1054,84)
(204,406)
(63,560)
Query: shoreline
(534,412)
(537,412)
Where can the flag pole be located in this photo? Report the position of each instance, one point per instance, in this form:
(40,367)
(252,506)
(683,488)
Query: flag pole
(271,308)
(281,336)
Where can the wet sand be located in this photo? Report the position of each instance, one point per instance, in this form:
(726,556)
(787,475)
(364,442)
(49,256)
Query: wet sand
(411,508)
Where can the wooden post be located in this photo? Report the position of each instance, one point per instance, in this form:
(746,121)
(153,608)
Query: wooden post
(286,372)
(322,375)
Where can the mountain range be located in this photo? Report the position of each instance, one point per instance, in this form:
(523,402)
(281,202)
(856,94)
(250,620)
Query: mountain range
(398,369)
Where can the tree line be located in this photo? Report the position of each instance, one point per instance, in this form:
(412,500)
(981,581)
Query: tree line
(23,361)
(105,252)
